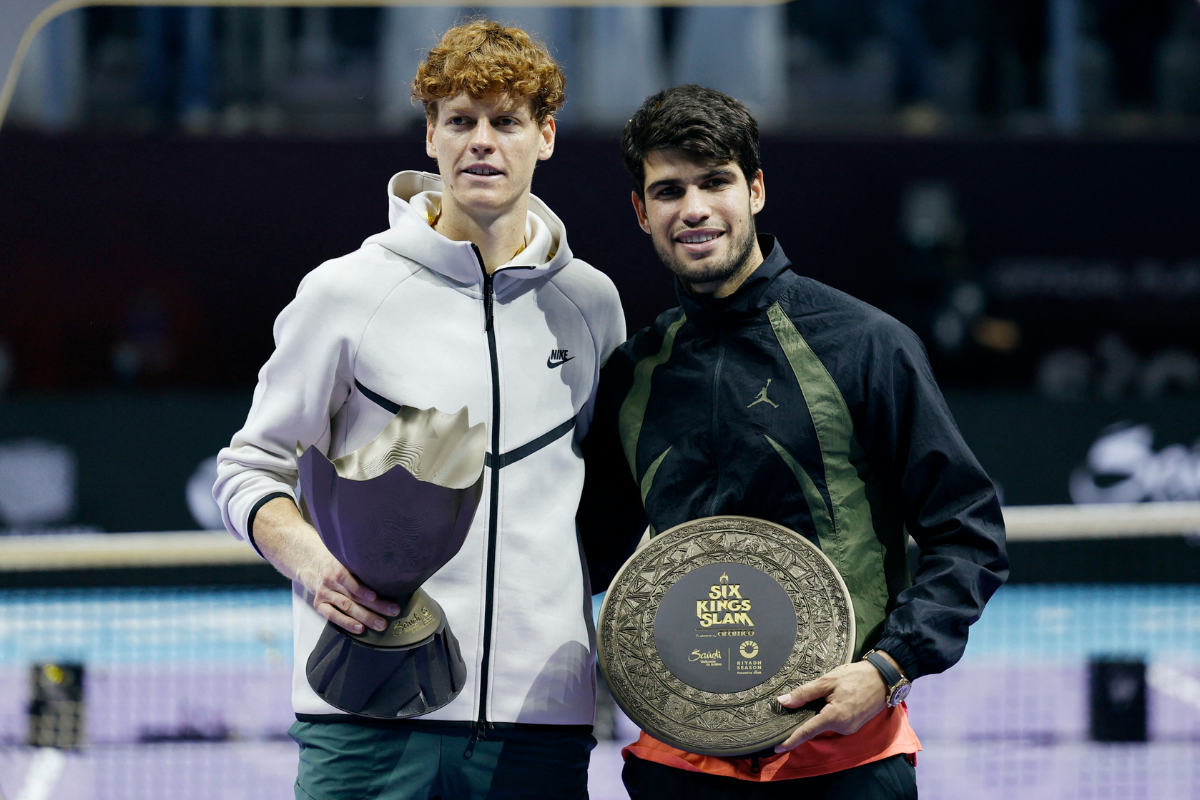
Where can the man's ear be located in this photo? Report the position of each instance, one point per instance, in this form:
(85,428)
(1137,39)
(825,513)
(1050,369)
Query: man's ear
(430,150)
(546,148)
(639,208)
(758,193)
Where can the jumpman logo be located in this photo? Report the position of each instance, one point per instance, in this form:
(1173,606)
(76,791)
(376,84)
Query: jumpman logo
(762,397)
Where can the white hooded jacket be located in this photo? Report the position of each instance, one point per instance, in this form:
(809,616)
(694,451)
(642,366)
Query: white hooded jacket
(404,320)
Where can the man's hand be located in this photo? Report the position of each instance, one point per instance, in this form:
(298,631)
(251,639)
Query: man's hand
(854,693)
(295,549)
(340,598)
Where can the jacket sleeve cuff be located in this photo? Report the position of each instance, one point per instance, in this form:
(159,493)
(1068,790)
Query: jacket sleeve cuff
(254,513)
(902,654)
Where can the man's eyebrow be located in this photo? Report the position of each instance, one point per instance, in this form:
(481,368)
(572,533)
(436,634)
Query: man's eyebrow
(664,182)
(467,111)
(712,173)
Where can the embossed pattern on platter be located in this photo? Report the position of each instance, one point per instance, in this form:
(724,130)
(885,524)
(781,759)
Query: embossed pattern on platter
(665,705)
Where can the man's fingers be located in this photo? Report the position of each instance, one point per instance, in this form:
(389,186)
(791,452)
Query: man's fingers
(365,616)
(382,605)
(345,593)
(335,577)
(805,693)
(329,612)
(356,589)
(814,727)
(365,595)
(340,579)
(348,608)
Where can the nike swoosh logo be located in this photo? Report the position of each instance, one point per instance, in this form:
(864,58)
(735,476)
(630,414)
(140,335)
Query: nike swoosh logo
(551,363)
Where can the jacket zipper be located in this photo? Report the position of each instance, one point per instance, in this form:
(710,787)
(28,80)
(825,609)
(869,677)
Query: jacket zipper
(716,394)
(482,723)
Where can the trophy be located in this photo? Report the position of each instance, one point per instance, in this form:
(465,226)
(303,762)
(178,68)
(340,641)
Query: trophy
(394,512)
(708,623)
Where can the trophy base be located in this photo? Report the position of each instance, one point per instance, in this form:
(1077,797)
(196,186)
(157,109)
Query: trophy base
(390,681)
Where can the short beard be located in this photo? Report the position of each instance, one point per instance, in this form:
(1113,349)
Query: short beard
(719,272)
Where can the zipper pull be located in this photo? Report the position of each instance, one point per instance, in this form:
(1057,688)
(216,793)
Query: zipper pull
(470,749)
(489,292)
(482,729)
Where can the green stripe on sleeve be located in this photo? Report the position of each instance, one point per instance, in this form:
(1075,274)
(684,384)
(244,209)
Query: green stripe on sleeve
(856,551)
(633,409)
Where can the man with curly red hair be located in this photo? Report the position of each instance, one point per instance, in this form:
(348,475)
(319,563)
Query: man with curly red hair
(471,298)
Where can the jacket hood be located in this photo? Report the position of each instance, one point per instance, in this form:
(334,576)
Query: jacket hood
(415,198)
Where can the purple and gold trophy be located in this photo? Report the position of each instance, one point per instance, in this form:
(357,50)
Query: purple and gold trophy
(394,512)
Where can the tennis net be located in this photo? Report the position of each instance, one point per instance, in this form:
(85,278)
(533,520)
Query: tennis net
(159,665)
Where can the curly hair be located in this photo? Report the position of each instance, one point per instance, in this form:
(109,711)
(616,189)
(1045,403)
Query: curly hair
(482,57)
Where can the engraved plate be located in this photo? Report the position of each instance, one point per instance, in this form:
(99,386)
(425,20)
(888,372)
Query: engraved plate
(709,622)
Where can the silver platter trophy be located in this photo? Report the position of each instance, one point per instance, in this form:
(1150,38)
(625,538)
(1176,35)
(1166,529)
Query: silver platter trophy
(709,622)
(393,512)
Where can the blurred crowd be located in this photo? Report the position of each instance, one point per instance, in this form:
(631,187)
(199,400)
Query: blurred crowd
(919,66)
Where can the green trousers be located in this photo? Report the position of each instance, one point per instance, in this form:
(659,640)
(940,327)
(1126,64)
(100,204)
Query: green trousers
(350,761)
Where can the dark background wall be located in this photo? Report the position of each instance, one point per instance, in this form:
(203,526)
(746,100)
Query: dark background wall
(197,244)
(183,251)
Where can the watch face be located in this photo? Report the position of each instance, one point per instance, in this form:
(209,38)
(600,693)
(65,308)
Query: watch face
(899,693)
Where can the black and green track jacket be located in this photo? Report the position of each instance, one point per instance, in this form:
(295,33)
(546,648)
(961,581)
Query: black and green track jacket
(795,403)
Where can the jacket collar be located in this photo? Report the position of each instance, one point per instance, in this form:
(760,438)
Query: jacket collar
(756,293)
(414,198)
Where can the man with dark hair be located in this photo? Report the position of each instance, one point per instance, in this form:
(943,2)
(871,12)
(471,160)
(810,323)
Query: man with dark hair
(767,394)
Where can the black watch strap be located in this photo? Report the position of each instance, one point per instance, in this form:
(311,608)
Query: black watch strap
(891,675)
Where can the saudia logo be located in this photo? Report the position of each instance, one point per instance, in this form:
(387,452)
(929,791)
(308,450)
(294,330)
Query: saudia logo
(420,619)
(724,606)
(1122,467)
(698,655)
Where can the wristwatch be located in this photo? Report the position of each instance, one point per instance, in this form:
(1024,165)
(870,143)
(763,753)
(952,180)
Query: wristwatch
(898,686)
